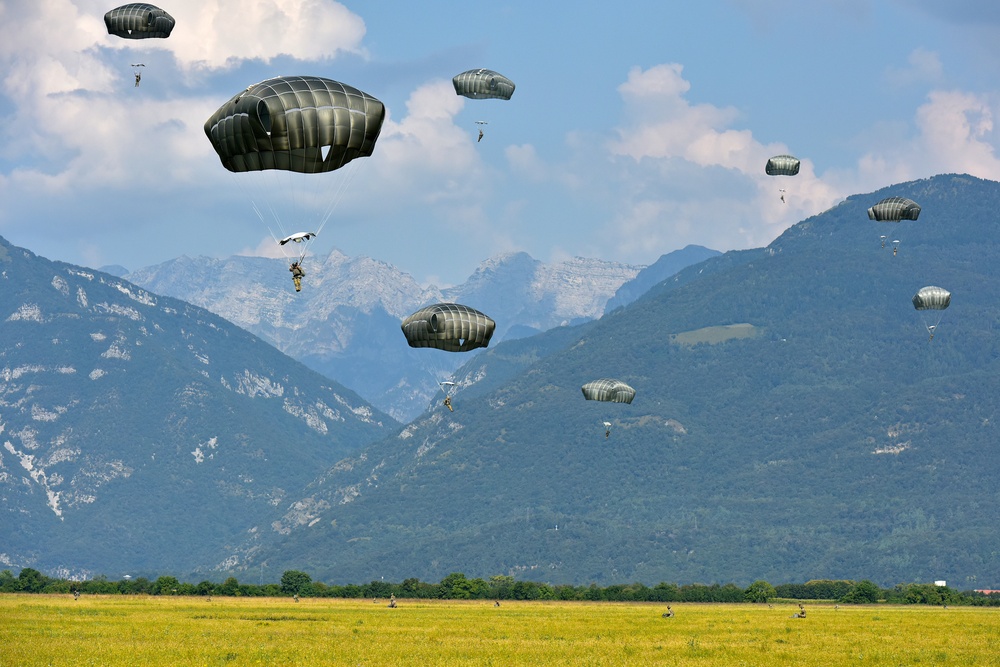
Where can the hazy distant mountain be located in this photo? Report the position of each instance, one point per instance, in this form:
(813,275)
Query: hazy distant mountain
(116,270)
(345,322)
(663,268)
(792,421)
(138,432)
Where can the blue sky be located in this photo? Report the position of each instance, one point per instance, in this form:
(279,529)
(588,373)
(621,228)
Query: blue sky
(636,127)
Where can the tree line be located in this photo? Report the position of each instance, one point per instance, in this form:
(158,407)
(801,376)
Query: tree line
(457,586)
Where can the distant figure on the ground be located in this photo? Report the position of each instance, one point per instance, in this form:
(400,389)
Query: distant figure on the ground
(670,613)
(296,597)
(836,607)
(297,275)
(802,612)
(76,595)
(392,601)
(496,603)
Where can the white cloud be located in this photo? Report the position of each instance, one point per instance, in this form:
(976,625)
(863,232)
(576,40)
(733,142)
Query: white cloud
(697,179)
(219,33)
(954,133)
(76,127)
(266,248)
(425,156)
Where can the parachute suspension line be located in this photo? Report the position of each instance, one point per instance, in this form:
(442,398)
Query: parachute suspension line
(252,188)
(343,187)
(931,328)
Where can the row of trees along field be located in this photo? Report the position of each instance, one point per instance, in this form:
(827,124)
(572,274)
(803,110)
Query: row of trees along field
(457,586)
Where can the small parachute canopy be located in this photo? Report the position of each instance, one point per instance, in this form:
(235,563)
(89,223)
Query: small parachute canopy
(448,326)
(932,298)
(139,20)
(782,165)
(297,237)
(606,389)
(894,209)
(483,84)
(305,124)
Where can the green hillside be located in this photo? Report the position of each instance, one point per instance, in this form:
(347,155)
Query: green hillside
(836,442)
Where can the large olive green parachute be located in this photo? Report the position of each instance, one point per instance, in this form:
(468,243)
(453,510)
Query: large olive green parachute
(932,298)
(139,20)
(782,165)
(606,389)
(305,124)
(482,84)
(448,326)
(894,209)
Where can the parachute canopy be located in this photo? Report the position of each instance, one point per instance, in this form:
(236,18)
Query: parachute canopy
(894,209)
(139,20)
(305,124)
(482,84)
(932,298)
(448,326)
(782,165)
(606,389)
(297,237)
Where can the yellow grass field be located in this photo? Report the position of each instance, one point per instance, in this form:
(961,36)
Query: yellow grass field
(125,630)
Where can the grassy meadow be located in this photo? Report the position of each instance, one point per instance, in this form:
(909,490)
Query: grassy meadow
(116,631)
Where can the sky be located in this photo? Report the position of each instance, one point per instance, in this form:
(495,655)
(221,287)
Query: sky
(636,128)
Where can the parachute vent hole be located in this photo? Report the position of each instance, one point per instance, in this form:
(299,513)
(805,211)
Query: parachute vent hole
(264,116)
(325,151)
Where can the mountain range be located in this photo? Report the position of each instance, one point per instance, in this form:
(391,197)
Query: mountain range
(345,322)
(141,432)
(792,421)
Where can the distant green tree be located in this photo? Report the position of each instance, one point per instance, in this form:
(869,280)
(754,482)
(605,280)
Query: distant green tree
(928,594)
(759,591)
(664,592)
(501,585)
(165,586)
(863,592)
(455,587)
(229,587)
(139,586)
(831,590)
(8,582)
(294,582)
(31,580)
(528,590)
(414,588)
(378,589)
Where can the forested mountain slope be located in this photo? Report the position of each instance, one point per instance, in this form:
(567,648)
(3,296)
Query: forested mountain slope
(827,437)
